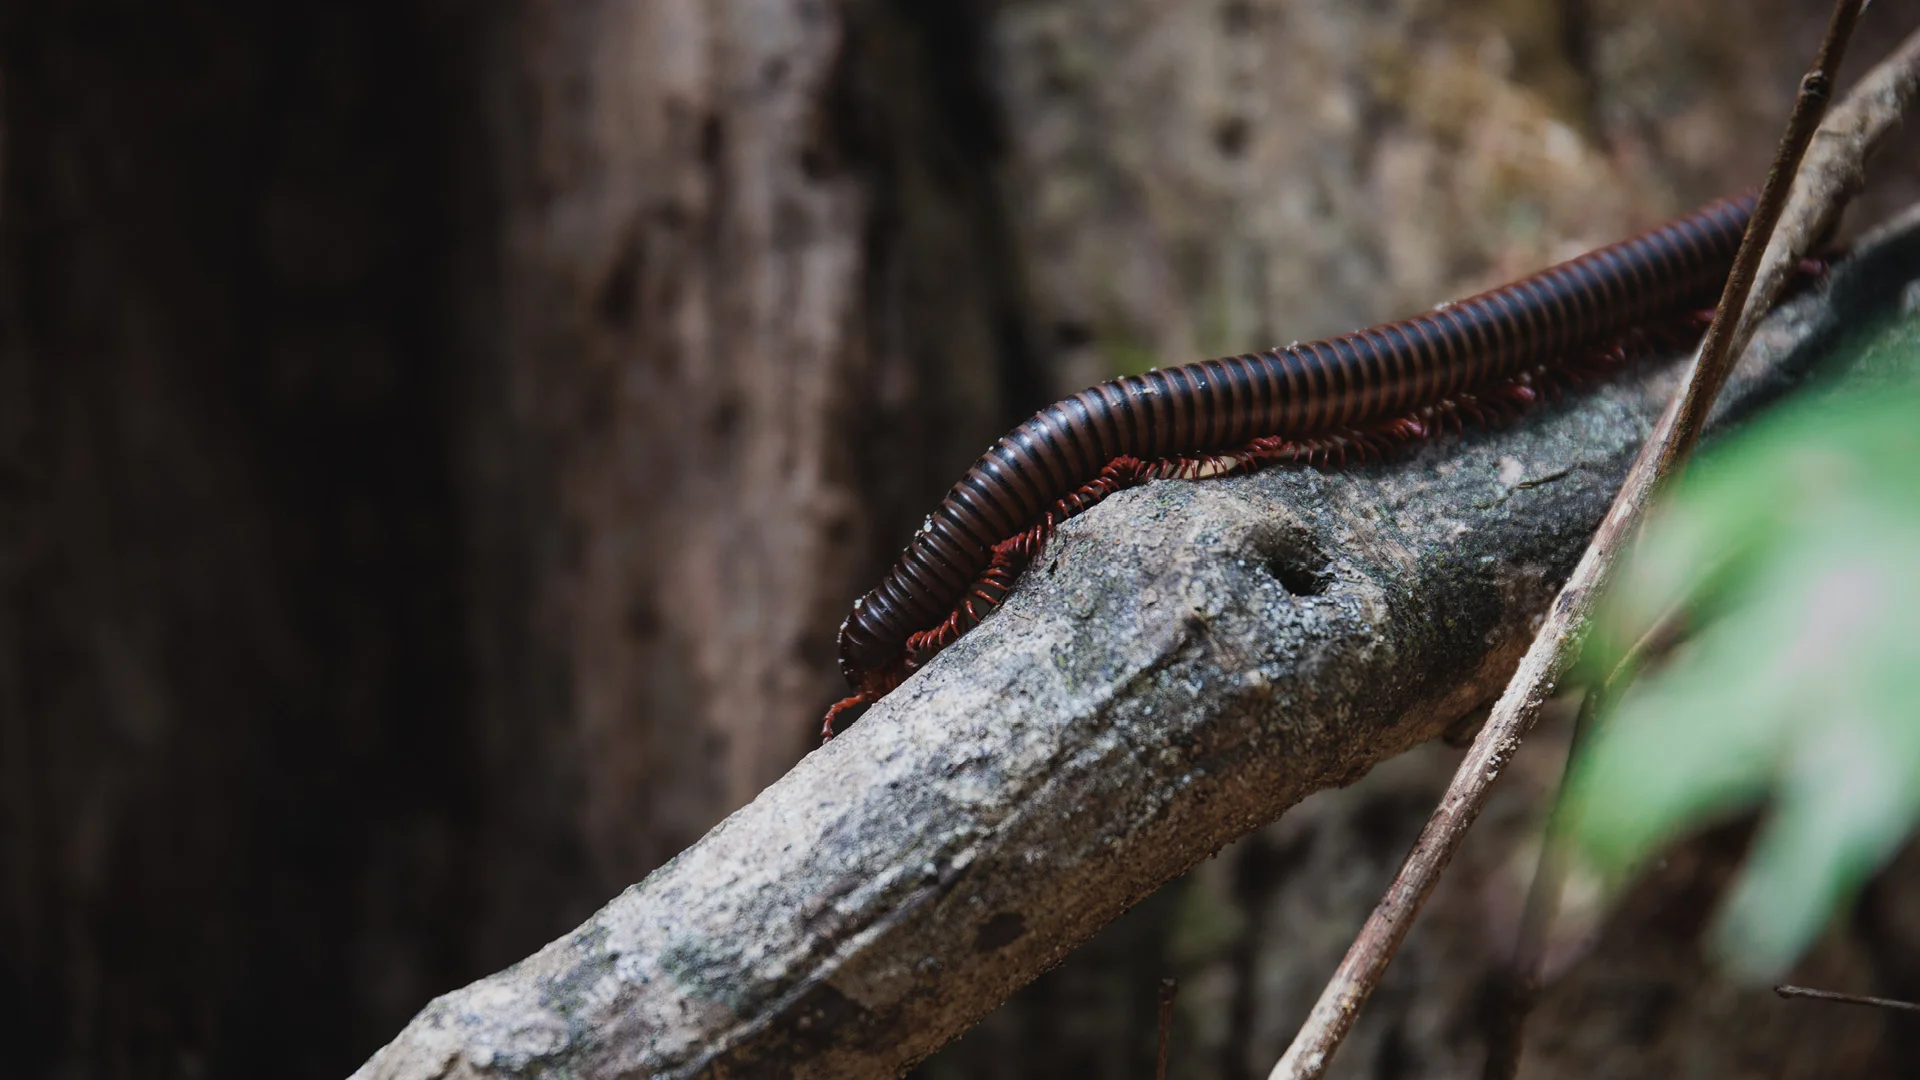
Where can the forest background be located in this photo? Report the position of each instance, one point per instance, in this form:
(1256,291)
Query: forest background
(437,443)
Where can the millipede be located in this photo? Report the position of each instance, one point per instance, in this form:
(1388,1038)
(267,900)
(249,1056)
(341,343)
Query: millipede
(1315,402)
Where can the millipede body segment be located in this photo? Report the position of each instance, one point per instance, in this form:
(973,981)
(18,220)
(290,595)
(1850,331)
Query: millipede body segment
(1306,400)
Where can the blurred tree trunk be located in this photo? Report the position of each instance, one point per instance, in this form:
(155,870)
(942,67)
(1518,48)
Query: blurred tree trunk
(437,443)
(436,447)
(741,327)
(661,511)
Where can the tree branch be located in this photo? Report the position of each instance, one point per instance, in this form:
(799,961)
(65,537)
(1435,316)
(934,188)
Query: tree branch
(1187,661)
(1557,643)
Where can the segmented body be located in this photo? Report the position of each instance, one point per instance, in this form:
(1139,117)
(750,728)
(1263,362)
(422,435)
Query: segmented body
(1320,398)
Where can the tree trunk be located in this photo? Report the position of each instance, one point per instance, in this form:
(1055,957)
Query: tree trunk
(741,316)
(661,512)
(436,446)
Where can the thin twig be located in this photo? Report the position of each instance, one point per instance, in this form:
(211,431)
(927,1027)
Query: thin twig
(1519,984)
(1835,168)
(1716,352)
(1830,176)
(1168,988)
(1846,999)
(1557,643)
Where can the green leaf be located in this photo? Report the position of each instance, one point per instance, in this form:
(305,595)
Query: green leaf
(1795,553)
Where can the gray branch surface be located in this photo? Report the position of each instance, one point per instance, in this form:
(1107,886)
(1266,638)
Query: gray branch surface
(1185,662)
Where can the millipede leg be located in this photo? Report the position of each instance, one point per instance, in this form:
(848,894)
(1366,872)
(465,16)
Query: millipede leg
(838,707)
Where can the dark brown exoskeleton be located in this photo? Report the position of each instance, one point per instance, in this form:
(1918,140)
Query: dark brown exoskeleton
(1322,400)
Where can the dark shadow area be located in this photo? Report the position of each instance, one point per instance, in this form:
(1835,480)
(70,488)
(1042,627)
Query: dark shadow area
(234,802)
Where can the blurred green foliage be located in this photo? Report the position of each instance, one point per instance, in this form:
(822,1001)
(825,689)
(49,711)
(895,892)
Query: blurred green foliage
(1793,555)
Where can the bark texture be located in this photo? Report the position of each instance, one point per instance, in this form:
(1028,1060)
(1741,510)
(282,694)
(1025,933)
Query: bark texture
(1187,661)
